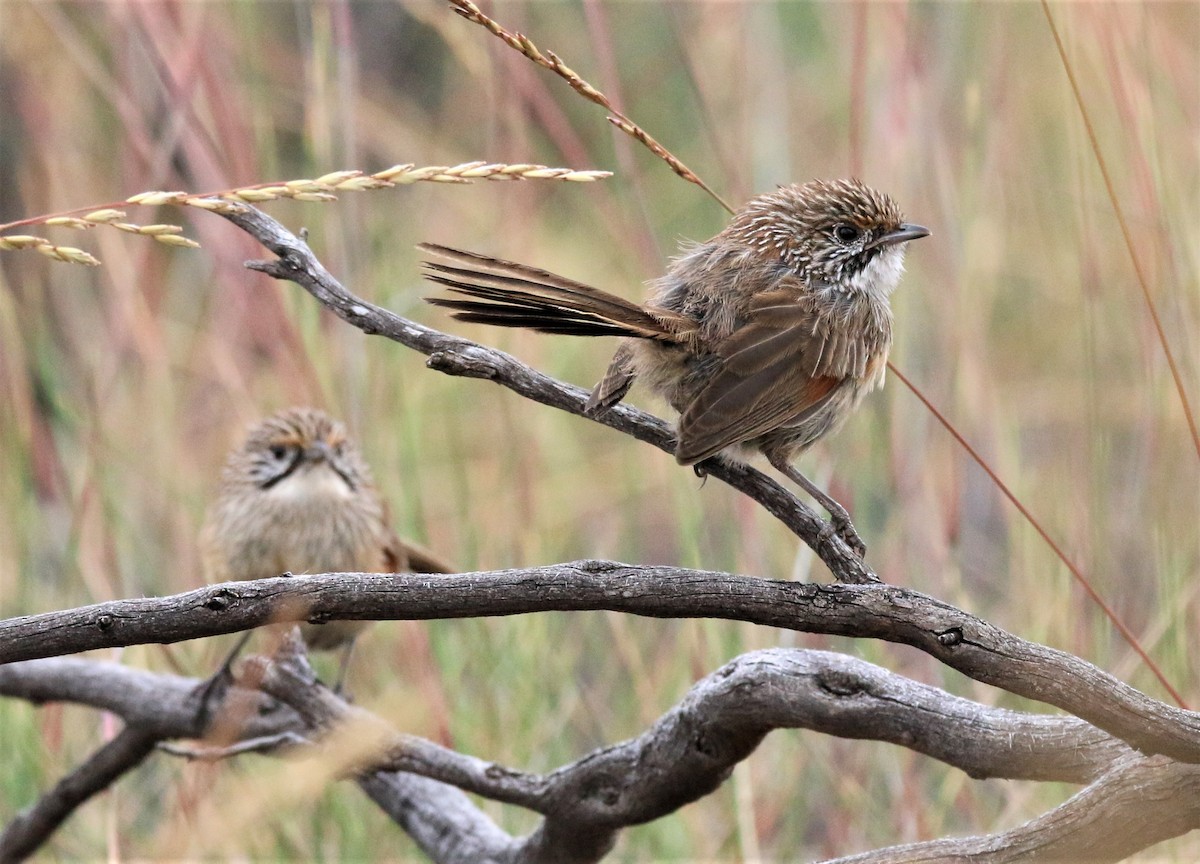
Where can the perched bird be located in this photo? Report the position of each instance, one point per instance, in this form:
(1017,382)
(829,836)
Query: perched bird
(765,337)
(297,497)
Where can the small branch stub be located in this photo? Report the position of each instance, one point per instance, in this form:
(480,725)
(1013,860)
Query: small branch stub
(950,638)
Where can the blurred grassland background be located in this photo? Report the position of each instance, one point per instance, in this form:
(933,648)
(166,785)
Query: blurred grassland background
(124,385)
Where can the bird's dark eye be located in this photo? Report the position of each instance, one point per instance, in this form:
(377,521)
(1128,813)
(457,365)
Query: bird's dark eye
(846,233)
(278,451)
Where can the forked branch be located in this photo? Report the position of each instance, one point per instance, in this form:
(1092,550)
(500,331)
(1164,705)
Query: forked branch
(684,755)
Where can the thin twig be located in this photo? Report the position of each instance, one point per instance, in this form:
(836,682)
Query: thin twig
(268,744)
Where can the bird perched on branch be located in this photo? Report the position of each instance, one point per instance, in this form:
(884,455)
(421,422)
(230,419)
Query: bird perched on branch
(297,497)
(765,337)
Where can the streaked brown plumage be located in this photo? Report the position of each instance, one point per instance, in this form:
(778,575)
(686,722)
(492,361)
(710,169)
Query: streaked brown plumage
(766,337)
(297,497)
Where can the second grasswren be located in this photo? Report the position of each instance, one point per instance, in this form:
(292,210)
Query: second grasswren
(297,497)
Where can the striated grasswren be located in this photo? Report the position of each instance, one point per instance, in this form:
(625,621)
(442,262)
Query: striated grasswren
(765,337)
(297,497)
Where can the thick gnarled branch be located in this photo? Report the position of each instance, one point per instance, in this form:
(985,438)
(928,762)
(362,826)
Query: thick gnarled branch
(954,637)
(683,756)
(1140,801)
(692,749)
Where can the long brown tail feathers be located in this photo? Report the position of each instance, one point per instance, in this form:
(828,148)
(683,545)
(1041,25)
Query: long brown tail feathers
(508,294)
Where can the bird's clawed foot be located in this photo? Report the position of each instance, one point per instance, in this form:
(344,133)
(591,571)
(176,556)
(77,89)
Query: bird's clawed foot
(839,519)
(840,524)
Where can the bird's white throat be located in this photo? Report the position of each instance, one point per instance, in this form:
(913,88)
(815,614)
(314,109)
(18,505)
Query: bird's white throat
(312,483)
(881,275)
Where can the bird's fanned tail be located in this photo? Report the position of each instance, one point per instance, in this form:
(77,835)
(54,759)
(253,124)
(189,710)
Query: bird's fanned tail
(508,294)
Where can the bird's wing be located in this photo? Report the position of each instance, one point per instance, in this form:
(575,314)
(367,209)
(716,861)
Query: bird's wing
(422,560)
(404,556)
(773,371)
(616,382)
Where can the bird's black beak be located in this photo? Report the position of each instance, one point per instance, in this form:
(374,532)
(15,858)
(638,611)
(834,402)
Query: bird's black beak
(318,452)
(902,234)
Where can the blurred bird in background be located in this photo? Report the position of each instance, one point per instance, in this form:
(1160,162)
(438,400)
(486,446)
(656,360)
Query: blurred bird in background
(297,497)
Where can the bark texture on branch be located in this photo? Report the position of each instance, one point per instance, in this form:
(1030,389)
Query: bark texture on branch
(954,637)
(1138,802)
(688,752)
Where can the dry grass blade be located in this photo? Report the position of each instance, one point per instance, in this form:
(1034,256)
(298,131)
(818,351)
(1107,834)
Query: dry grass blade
(549,60)
(1109,612)
(1119,213)
(639,134)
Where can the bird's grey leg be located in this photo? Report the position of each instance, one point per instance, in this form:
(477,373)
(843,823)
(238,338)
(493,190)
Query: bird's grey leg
(839,518)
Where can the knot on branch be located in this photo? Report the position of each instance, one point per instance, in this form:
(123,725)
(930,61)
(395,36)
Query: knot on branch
(221,600)
(464,363)
(598,566)
(500,772)
(837,682)
(105,622)
(605,791)
(703,745)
